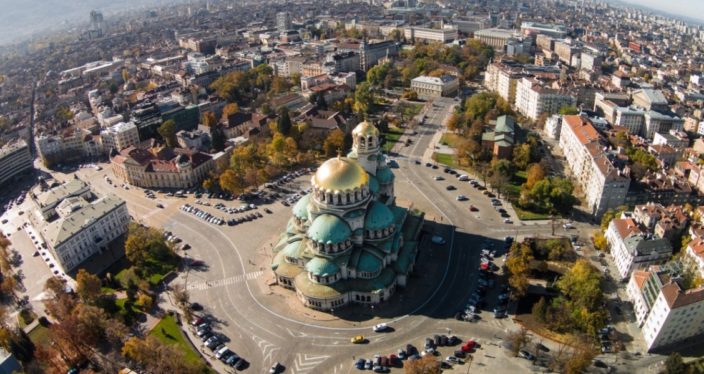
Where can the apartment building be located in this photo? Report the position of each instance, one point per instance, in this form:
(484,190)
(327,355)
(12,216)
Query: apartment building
(428,87)
(15,159)
(630,118)
(632,247)
(604,185)
(694,255)
(68,145)
(76,223)
(443,35)
(667,312)
(534,99)
(119,136)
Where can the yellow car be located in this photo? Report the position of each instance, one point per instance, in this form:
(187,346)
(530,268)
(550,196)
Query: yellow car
(359,339)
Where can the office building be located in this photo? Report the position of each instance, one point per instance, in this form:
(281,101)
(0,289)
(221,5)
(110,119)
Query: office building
(428,87)
(15,159)
(76,223)
(119,136)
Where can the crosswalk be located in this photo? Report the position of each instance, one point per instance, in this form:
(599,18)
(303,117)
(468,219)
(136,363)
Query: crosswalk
(304,363)
(201,286)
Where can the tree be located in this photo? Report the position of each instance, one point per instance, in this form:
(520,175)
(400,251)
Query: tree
(229,109)
(534,174)
(454,123)
(522,156)
(217,138)
(426,365)
(674,364)
(334,143)
(88,286)
(209,119)
(600,242)
(569,110)
(518,339)
(518,266)
(363,98)
(540,309)
(231,182)
(167,130)
(144,301)
(377,74)
(283,122)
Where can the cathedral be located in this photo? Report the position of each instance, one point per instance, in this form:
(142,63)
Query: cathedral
(347,241)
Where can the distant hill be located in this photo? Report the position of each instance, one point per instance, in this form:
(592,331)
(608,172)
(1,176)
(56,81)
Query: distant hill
(633,4)
(20,18)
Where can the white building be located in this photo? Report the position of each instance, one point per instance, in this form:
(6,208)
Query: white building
(283,21)
(428,87)
(444,35)
(694,255)
(75,223)
(69,145)
(667,313)
(497,38)
(15,159)
(603,184)
(119,136)
(553,126)
(632,119)
(533,99)
(633,248)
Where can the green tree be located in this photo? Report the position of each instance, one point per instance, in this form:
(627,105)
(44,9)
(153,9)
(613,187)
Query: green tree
(540,309)
(522,156)
(167,130)
(229,109)
(518,266)
(283,122)
(600,242)
(674,364)
(377,74)
(231,182)
(363,98)
(217,138)
(569,110)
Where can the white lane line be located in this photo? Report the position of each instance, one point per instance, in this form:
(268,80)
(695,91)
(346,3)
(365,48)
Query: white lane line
(224,282)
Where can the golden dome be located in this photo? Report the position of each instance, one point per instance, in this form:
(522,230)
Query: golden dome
(365,128)
(340,174)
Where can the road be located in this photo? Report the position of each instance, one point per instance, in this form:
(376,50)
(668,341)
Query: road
(265,327)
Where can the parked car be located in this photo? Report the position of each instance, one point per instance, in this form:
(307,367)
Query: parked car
(527,355)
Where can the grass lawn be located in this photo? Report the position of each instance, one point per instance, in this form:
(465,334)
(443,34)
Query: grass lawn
(40,335)
(525,215)
(168,332)
(445,159)
(410,110)
(449,139)
(391,138)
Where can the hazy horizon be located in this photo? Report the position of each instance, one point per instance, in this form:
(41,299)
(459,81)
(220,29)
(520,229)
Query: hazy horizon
(47,14)
(684,8)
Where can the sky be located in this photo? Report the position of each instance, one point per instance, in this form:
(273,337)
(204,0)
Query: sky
(688,8)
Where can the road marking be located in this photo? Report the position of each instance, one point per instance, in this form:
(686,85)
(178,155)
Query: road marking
(267,349)
(200,286)
(305,362)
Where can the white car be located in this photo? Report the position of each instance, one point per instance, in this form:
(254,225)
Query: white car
(462,198)
(506,220)
(380,327)
(568,226)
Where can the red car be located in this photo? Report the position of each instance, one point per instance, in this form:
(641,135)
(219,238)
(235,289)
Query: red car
(469,346)
(473,208)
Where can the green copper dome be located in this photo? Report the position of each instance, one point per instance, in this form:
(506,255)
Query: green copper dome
(322,267)
(293,250)
(300,210)
(373,184)
(368,263)
(384,175)
(328,228)
(379,217)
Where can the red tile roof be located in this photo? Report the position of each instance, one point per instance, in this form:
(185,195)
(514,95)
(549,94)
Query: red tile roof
(677,298)
(625,227)
(640,276)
